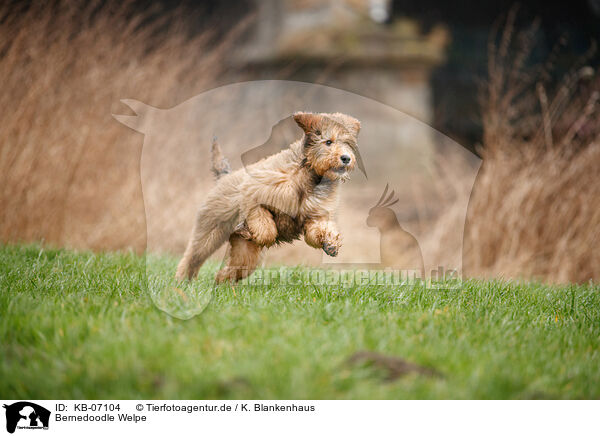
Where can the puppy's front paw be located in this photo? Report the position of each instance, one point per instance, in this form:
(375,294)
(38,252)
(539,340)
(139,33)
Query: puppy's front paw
(332,244)
(330,249)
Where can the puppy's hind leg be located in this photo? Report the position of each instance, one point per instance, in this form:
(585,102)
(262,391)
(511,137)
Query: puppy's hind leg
(243,259)
(203,243)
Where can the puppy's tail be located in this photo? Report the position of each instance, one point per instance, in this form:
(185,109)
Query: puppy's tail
(219,163)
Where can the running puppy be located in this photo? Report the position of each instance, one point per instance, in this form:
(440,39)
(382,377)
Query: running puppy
(278,199)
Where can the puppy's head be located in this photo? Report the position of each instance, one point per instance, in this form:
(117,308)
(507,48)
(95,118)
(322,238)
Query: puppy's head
(330,143)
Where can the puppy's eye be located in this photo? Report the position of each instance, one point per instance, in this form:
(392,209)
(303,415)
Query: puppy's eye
(329,142)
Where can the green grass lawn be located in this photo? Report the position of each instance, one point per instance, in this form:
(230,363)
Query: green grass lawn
(81,325)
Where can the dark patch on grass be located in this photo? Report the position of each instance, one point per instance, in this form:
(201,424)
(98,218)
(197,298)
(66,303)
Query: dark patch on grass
(393,367)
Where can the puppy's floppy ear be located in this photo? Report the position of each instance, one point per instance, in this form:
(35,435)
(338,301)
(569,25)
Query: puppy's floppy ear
(353,125)
(307,121)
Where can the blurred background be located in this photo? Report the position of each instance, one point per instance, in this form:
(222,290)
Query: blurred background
(517,85)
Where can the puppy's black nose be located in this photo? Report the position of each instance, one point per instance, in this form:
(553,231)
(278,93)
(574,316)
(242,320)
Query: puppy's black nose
(345,159)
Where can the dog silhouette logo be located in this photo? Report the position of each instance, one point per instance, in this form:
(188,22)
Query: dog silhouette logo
(26,415)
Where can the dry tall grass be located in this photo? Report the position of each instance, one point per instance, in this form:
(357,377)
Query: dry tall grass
(535,209)
(69,172)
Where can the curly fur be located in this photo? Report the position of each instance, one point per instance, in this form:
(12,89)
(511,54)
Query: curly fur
(287,195)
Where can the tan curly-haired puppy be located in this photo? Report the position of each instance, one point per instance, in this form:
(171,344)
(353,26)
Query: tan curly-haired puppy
(277,199)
